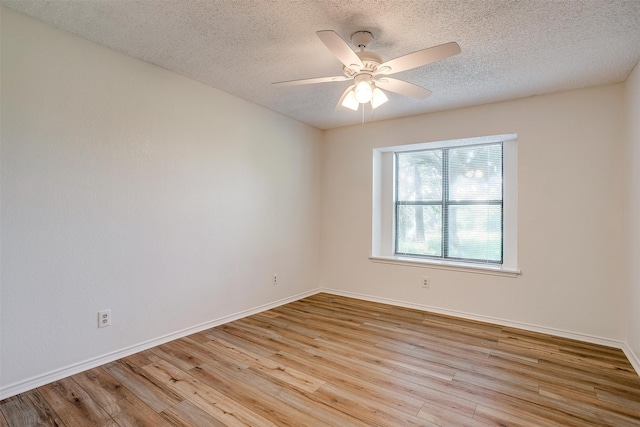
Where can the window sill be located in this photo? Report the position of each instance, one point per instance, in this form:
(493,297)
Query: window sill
(448,265)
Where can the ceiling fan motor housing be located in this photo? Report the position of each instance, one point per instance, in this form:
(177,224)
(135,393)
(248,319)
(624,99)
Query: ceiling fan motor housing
(370,61)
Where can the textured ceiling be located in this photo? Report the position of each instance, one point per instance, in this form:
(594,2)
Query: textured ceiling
(510,49)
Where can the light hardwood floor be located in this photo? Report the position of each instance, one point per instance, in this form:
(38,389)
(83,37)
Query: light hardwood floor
(334,361)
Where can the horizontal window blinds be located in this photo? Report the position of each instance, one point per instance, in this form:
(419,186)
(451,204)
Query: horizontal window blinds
(449,203)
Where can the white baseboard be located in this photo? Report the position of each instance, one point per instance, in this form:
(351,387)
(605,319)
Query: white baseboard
(633,358)
(40,380)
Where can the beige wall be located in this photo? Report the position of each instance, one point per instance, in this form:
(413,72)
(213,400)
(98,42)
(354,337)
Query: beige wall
(131,188)
(632,211)
(570,151)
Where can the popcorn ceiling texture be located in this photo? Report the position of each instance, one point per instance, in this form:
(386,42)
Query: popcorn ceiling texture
(510,49)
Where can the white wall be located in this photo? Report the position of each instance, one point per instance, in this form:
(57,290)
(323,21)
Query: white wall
(570,193)
(130,188)
(632,211)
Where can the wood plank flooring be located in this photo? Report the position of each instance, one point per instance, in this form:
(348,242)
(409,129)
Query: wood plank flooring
(334,361)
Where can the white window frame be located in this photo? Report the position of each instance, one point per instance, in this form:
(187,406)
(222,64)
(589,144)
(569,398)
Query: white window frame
(383,208)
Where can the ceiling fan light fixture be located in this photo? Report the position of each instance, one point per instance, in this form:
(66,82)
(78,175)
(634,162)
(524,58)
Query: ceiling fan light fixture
(378,98)
(350,101)
(363,92)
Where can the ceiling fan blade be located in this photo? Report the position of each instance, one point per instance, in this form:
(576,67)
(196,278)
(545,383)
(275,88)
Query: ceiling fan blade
(419,58)
(339,105)
(339,48)
(402,87)
(312,81)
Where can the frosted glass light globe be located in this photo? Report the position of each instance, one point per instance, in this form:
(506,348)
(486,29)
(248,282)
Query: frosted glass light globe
(364,92)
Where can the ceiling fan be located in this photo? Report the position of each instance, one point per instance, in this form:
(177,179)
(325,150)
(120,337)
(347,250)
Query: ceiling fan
(370,74)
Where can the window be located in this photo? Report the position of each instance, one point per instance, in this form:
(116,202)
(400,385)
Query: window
(449,203)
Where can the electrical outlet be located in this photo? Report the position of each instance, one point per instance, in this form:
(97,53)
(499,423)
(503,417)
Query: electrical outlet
(104,318)
(426,282)
(274,280)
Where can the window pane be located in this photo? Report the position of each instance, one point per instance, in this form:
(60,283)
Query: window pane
(475,173)
(475,232)
(419,230)
(420,176)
